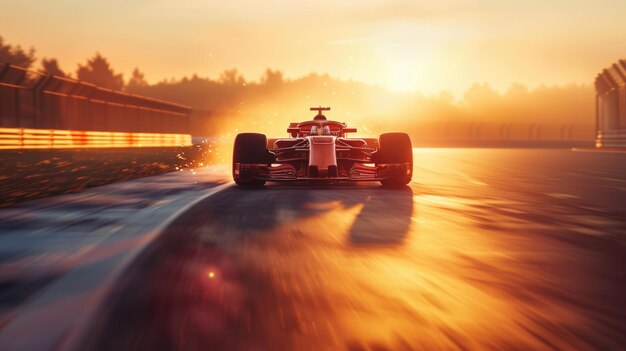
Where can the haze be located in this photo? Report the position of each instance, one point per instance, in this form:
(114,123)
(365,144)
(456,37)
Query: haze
(401,45)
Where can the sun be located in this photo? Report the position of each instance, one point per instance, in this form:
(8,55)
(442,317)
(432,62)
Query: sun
(405,53)
(401,75)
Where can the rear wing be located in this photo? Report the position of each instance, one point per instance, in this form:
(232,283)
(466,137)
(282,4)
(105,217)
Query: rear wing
(319,109)
(293,129)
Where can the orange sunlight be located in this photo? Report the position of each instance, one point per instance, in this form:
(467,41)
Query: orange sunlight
(400,45)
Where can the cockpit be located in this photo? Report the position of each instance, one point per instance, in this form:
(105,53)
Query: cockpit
(324,130)
(307,128)
(319,126)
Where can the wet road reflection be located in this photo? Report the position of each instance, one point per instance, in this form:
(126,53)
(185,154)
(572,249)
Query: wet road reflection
(487,249)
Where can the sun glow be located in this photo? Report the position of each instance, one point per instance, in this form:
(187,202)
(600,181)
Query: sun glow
(465,41)
(409,53)
(402,75)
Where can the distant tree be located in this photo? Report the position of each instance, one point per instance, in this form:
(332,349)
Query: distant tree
(137,81)
(98,71)
(445,97)
(517,90)
(51,66)
(481,94)
(272,79)
(231,77)
(15,55)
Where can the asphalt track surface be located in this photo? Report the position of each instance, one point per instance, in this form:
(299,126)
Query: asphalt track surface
(486,249)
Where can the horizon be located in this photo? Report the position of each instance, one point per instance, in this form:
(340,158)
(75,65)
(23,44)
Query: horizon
(36,66)
(400,46)
(69,73)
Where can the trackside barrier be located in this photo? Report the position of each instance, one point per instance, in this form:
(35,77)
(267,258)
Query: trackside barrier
(46,111)
(24,138)
(491,131)
(611,139)
(611,106)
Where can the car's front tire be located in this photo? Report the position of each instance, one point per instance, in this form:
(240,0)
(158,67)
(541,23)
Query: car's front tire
(250,148)
(396,148)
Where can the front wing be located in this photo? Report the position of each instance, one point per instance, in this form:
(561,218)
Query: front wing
(287,172)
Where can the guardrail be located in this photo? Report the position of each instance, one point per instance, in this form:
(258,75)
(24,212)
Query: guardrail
(25,138)
(70,113)
(616,138)
(611,106)
(493,131)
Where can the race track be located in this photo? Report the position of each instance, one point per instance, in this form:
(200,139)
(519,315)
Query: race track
(486,249)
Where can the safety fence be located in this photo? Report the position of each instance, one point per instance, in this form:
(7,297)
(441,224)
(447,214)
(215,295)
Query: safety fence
(611,106)
(46,111)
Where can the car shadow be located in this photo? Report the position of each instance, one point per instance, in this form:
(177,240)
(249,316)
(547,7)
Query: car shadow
(384,219)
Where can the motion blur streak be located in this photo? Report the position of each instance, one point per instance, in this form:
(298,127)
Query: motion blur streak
(23,138)
(486,249)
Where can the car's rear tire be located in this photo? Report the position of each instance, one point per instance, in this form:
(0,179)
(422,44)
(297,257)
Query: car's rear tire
(395,148)
(250,148)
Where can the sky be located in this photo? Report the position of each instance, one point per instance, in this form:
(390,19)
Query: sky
(425,46)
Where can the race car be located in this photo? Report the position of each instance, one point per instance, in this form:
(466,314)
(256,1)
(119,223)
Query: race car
(320,150)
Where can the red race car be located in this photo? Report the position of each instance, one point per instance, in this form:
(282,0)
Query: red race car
(319,150)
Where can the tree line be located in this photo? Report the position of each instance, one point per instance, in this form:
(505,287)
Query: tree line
(96,70)
(273,100)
